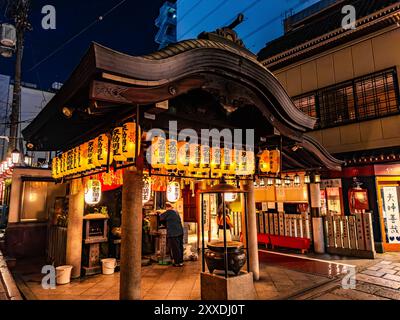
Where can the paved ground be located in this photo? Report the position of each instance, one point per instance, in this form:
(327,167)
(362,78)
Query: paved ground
(167,282)
(379,280)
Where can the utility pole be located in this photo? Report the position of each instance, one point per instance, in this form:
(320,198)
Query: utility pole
(19,11)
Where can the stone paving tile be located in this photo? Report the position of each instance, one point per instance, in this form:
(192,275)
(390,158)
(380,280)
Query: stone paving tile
(378,281)
(374,268)
(388,293)
(392,277)
(374,273)
(356,295)
(385,262)
(331,296)
(388,271)
(367,287)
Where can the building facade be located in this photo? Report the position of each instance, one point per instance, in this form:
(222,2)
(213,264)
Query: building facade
(32,102)
(348,79)
(167,24)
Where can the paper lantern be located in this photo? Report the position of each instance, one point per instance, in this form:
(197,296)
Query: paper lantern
(215,162)
(205,156)
(194,162)
(173,191)
(158,152)
(92,154)
(116,143)
(84,156)
(172,155)
(264,163)
(102,150)
(275,161)
(244,162)
(54,168)
(129,141)
(146,189)
(69,162)
(228,164)
(183,156)
(93,192)
(78,159)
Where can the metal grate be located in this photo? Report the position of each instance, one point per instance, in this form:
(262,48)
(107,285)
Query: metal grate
(364,98)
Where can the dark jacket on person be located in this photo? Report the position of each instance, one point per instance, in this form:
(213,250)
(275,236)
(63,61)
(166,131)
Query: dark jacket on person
(173,222)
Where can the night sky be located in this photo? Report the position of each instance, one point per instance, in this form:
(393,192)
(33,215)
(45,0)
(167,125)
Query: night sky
(130,29)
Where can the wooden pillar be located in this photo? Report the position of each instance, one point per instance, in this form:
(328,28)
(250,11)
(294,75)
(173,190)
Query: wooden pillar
(131,241)
(252,231)
(75,227)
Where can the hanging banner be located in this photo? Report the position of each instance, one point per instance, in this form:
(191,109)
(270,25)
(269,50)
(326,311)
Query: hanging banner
(391,212)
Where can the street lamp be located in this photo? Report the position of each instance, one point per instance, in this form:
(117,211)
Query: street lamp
(15,157)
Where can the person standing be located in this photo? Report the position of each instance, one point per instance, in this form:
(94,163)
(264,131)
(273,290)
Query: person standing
(173,222)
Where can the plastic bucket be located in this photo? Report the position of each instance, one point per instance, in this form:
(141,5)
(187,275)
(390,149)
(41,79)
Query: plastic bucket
(108,265)
(63,274)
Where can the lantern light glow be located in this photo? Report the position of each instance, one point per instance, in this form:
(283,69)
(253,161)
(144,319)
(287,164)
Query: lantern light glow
(93,192)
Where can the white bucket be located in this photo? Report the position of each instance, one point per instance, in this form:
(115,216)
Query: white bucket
(63,274)
(108,265)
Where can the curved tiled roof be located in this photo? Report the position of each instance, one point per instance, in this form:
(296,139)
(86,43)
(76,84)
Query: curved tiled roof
(187,45)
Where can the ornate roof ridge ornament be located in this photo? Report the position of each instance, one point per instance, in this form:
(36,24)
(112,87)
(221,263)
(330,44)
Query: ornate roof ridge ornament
(227,35)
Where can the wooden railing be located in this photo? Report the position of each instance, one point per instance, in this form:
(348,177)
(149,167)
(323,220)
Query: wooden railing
(350,236)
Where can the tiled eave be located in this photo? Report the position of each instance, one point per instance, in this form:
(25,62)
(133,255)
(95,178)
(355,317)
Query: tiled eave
(387,16)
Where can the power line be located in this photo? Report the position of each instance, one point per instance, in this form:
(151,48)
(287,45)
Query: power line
(205,17)
(299,4)
(251,5)
(187,12)
(100,18)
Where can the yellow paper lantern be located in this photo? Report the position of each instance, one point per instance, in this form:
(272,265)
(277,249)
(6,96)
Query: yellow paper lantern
(172,155)
(264,163)
(129,141)
(194,160)
(54,168)
(183,156)
(78,160)
(173,191)
(215,162)
(158,152)
(116,143)
(275,161)
(205,156)
(102,150)
(93,192)
(91,155)
(84,156)
(228,165)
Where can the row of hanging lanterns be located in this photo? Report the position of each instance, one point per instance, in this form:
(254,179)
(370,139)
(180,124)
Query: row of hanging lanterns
(95,154)
(200,160)
(287,181)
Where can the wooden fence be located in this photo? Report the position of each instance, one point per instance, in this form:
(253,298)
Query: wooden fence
(350,236)
(281,224)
